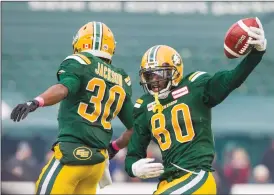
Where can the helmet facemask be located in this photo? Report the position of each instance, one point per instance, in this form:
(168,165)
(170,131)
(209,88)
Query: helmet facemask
(158,79)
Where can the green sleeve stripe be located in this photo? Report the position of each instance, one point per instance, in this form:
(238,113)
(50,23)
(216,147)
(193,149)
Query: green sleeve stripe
(196,76)
(192,75)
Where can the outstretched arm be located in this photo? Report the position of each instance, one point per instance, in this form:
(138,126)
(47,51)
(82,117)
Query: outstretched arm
(219,86)
(52,95)
(68,84)
(120,143)
(125,115)
(123,140)
(136,163)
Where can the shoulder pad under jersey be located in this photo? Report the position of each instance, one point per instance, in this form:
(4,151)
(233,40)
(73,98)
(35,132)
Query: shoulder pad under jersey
(196,75)
(81,58)
(198,78)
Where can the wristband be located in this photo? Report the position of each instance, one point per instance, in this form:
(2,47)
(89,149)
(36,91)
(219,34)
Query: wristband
(40,100)
(115,146)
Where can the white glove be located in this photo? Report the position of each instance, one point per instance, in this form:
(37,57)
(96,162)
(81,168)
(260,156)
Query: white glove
(144,169)
(259,40)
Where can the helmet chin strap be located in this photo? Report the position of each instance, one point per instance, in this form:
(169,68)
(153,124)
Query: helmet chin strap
(158,107)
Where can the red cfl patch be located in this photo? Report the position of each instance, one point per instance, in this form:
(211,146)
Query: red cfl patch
(180,92)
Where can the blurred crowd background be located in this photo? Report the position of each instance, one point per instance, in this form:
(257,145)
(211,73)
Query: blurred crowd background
(37,36)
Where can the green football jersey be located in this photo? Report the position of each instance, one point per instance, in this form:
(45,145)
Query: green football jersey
(98,92)
(183,129)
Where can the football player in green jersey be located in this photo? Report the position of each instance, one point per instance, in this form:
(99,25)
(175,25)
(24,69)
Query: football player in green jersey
(92,92)
(176,114)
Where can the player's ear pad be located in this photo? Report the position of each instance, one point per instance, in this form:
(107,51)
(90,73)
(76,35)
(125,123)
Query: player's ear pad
(77,154)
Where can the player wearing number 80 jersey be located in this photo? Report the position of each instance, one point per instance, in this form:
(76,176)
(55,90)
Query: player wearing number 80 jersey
(92,92)
(176,114)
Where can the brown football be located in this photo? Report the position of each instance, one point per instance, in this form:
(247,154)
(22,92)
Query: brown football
(235,44)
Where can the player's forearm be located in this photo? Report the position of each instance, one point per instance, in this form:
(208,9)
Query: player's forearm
(54,94)
(242,71)
(123,140)
(224,82)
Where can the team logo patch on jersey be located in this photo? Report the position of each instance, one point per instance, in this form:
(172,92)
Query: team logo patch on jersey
(82,153)
(138,103)
(180,92)
(150,106)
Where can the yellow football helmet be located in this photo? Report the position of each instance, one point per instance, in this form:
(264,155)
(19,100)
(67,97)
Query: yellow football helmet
(164,61)
(95,37)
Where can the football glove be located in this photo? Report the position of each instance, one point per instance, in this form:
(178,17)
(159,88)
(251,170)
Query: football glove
(111,151)
(259,40)
(144,169)
(21,111)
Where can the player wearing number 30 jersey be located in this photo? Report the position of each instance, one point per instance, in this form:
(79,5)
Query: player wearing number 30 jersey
(92,92)
(176,114)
